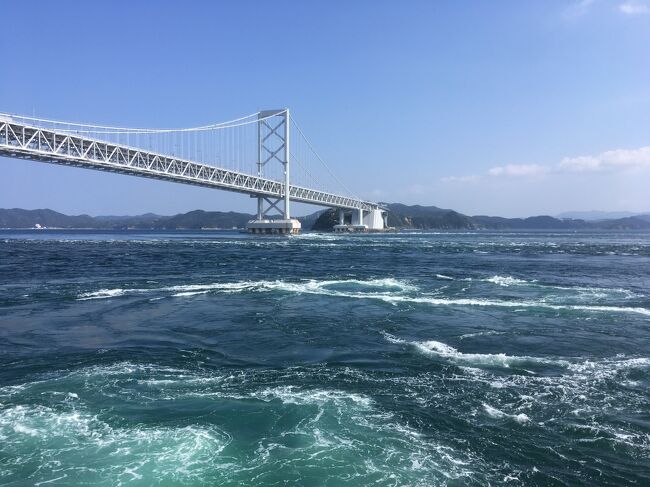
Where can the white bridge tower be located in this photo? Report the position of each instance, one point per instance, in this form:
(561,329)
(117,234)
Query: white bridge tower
(273,146)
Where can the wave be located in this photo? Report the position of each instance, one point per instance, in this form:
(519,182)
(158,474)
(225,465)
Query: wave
(294,395)
(506,281)
(103,293)
(180,290)
(385,285)
(37,434)
(599,369)
(481,333)
(498,414)
(443,276)
(321,423)
(389,290)
(482,302)
(574,392)
(608,368)
(440,349)
(615,435)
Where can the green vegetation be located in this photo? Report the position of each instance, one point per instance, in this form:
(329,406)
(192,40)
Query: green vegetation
(400,216)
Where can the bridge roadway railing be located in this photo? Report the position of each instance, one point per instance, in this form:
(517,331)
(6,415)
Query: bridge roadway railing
(22,141)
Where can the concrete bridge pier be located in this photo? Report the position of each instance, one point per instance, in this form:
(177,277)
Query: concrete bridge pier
(372,221)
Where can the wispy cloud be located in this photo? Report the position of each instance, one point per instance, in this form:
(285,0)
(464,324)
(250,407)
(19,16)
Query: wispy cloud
(578,8)
(634,8)
(611,161)
(461,179)
(518,170)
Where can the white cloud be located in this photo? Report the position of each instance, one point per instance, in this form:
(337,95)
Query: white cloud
(580,163)
(519,170)
(620,160)
(634,8)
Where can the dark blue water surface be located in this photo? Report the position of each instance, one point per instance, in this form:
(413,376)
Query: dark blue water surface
(397,359)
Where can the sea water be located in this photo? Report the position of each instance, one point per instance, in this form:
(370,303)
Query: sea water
(208,358)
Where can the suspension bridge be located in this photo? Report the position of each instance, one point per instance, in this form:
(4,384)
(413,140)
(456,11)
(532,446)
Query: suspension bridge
(265,155)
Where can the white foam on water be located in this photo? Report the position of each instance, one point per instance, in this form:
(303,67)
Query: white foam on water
(389,285)
(321,287)
(219,286)
(390,290)
(497,303)
(21,428)
(102,294)
(590,391)
(583,291)
(294,395)
(498,414)
(606,309)
(329,425)
(179,290)
(440,349)
(319,236)
(505,281)
(124,368)
(481,333)
(356,417)
(402,289)
(47,436)
(580,393)
(312,286)
(393,339)
(189,293)
(11,390)
(442,276)
(608,368)
(615,435)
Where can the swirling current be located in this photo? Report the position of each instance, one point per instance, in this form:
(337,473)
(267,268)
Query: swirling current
(419,359)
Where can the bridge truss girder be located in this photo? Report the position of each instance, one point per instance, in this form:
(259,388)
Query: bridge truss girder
(22,141)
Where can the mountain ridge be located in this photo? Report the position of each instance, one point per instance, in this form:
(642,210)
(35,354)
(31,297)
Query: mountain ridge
(399,216)
(592,215)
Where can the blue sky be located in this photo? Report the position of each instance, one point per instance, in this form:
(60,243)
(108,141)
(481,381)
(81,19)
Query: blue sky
(506,108)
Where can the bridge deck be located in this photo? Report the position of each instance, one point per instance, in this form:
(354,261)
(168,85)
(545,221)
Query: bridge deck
(23,141)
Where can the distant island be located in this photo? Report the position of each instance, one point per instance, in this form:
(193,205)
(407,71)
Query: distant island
(400,216)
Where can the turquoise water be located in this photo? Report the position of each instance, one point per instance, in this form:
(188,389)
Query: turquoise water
(401,359)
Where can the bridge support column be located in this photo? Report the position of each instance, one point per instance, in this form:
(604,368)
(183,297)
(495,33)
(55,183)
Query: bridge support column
(273,145)
(356,223)
(341,216)
(260,207)
(287,190)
